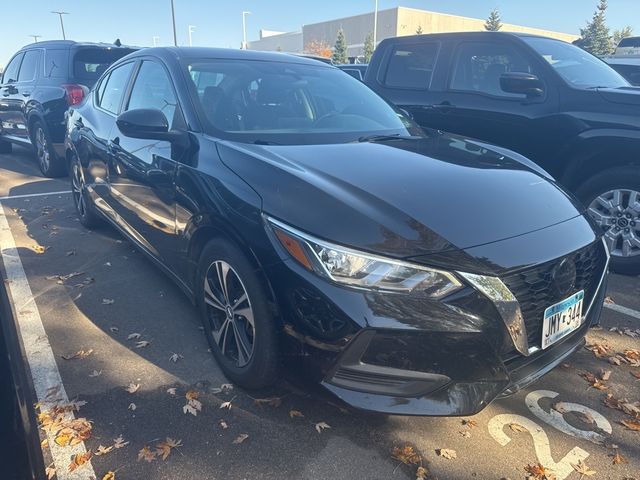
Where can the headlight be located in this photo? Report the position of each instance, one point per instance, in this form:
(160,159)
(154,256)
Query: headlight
(350,267)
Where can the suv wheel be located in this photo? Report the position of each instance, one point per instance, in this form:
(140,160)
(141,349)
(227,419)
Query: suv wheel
(237,319)
(50,165)
(81,199)
(613,201)
(5,147)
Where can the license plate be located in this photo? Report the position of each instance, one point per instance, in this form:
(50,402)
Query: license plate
(562,318)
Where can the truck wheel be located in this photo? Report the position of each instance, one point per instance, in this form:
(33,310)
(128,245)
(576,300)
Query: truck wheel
(50,165)
(5,147)
(612,199)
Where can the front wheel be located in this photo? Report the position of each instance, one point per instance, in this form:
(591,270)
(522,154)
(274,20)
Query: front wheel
(613,201)
(236,316)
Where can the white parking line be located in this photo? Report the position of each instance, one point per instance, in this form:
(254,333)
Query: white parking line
(621,309)
(35,195)
(42,363)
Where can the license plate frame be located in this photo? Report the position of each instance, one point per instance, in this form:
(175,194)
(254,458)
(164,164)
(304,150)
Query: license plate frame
(562,318)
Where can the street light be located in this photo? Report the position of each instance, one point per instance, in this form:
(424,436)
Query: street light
(375,24)
(244,29)
(35,37)
(60,14)
(173,19)
(191,29)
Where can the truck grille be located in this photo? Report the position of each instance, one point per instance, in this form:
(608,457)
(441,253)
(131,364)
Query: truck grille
(535,291)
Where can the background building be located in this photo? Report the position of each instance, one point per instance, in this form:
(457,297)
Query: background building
(394,22)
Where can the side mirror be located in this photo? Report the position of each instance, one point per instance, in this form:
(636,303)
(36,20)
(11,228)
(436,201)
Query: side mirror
(145,123)
(522,83)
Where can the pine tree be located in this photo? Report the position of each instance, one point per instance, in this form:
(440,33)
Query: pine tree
(419,30)
(493,23)
(595,36)
(368,48)
(340,49)
(620,34)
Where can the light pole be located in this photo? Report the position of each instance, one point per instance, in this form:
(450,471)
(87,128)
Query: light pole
(35,37)
(375,24)
(155,40)
(60,14)
(191,29)
(173,19)
(244,29)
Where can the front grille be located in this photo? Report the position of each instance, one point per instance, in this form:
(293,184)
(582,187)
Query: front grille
(535,291)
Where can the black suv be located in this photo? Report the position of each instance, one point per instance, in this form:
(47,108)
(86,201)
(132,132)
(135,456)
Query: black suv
(38,85)
(546,99)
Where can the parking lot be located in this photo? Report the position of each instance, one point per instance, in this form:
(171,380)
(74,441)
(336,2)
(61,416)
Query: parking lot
(128,343)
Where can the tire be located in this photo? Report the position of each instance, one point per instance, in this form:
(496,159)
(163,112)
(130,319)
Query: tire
(612,199)
(221,259)
(5,147)
(82,202)
(49,163)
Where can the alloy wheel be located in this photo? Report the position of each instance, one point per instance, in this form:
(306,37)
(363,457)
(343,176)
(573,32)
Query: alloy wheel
(77,188)
(618,213)
(42,149)
(229,313)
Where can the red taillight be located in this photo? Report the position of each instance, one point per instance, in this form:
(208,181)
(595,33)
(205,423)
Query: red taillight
(75,94)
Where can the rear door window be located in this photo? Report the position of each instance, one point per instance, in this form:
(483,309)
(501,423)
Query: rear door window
(411,66)
(11,72)
(55,63)
(29,66)
(115,85)
(90,63)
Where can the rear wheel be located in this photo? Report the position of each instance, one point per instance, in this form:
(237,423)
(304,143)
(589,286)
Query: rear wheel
(49,163)
(613,201)
(5,147)
(237,320)
(81,200)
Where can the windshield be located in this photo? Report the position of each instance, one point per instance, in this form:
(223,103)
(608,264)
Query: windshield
(579,68)
(278,102)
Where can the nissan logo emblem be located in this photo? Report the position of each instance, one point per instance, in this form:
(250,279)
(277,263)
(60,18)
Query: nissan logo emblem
(564,276)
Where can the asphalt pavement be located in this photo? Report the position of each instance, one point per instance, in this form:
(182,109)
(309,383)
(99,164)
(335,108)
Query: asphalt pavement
(128,343)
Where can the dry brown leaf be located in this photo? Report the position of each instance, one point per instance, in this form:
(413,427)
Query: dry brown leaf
(594,381)
(469,423)
(193,405)
(50,471)
(119,442)
(615,360)
(163,449)
(64,439)
(44,444)
(631,425)
(240,438)
(271,401)
(95,373)
(109,476)
(146,454)
(618,459)
(608,300)
(421,473)
(516,427)
(296,413)
(39,249)
(79,459)
(604,374)
(78,354)
(406,455)
(583,469)
(132,387)
(103,450)
(598,349)
(539,472)
(320,426)
(632,354)
(447,453)
(223,424)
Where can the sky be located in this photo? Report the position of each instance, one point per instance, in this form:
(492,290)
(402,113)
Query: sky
(219,23)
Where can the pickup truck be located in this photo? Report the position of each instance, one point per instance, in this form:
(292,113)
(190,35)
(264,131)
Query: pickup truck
(546,99)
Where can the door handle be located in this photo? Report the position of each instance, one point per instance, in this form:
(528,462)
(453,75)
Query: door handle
(26,94)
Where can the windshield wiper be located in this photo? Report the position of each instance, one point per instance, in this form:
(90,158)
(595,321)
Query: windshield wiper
(382,138)
(265,142)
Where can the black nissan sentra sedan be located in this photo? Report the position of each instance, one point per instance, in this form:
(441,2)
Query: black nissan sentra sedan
(306,217)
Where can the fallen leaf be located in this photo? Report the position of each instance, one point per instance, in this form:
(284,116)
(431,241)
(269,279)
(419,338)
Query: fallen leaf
(171,391)
(583,469)
(465,433)
(585,417)
(605,374)
(223,424)
(226,405)
(615,360)
(109,476)
(78,354)
(70,253)
(598,349)
(631,425)
(193,405)
(108,301)
(594,381)
(133,336)
(39,249)
(63,439)
(132,407)
(79,459)
(44,444)
(226,386)
(421,473)
(406,455)
(539,472)
(271,401)
(102,450)
(113,329)
(85,282)
(143,343)
(132,387)
(618,459)
(517,427)
(240,438)
(565,365)
(95,373)
(50,472)
(164,448)
(608,300)
(295,413)
(119,442)
(469,423)
(320,426)
(175,357)
(447,453)
(636,375)
(146,454)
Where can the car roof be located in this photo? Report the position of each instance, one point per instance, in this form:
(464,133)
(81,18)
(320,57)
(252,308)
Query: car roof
(457,35)
(187,53)
(73,43)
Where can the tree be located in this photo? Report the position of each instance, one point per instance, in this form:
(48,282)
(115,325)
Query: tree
(340,49)
(318,47)
(595,36)
(620,34)
(419,30)
(368,48)
(493,23)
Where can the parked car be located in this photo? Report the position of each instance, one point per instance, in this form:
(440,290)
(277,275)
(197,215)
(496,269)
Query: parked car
(38,85)
(628,46)
(546,99)
(628,67)
(356,70)
(423,273)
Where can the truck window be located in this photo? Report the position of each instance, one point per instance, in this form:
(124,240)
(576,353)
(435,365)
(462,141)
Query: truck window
(479,65)
(411,66)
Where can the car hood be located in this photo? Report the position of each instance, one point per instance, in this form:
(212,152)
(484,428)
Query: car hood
(624,95)
(401,197)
